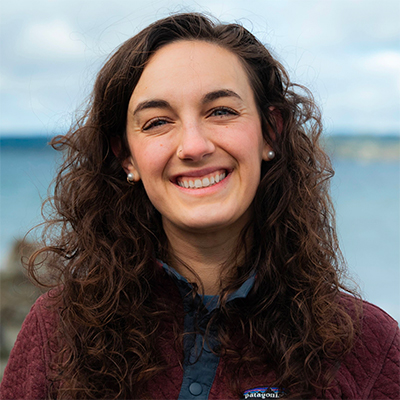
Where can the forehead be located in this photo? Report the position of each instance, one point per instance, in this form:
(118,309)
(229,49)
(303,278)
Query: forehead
(188,67)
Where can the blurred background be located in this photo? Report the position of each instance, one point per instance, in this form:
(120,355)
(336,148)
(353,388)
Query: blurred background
(346,51)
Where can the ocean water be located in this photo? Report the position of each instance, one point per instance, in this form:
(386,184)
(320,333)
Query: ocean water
(367,200)
(26,170)
(366,195)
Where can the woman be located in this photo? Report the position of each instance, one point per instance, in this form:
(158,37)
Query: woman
(195,255)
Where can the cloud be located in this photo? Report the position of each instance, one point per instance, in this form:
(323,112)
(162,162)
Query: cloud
(346,51)
(51,39)
(384,62)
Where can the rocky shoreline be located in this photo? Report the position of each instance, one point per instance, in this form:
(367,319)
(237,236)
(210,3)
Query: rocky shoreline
(363,148)
(17,294)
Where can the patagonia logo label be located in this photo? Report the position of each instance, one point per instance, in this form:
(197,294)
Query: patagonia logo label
(263,393)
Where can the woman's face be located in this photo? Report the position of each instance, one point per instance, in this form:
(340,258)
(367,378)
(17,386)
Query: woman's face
(195,137)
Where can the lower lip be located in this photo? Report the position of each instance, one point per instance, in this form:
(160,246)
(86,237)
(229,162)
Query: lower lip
(206,190)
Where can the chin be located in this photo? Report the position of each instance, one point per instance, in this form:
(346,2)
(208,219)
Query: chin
(203,225)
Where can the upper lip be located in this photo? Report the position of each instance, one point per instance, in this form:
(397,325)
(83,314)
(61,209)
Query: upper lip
(198,172)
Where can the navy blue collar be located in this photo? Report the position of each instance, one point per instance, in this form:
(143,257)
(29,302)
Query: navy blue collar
(210,302)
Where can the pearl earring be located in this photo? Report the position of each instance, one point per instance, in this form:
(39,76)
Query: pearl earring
(130,178)
(271,155)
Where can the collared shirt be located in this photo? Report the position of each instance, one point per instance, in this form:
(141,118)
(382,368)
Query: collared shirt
(200,362)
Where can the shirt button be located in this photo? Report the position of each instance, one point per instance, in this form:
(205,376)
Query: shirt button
(195,388)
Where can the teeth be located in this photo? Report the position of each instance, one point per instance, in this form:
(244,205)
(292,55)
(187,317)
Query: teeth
(201,183)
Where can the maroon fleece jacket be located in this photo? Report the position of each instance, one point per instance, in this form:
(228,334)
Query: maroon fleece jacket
(370,371)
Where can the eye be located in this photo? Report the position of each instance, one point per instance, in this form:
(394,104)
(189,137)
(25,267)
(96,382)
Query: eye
(154,123)
(222,111)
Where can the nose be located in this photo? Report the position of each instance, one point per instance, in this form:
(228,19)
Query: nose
(194,143)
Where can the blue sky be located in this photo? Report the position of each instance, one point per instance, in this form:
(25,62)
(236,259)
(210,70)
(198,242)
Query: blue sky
(346,51)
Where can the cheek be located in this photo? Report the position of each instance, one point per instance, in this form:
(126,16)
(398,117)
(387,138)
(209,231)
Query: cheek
(150,158)
(247,144)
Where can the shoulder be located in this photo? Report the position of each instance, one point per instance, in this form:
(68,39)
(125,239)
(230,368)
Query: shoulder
(375,320)
(27,371)
(47,308)
(371,369)
(42,321)
(377,330)
(371,321)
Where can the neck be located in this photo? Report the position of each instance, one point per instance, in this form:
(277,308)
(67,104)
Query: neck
(205,254)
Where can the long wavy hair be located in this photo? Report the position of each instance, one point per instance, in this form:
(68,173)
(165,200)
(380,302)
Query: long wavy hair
(107,236)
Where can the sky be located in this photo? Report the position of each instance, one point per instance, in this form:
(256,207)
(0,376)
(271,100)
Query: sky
(346,51)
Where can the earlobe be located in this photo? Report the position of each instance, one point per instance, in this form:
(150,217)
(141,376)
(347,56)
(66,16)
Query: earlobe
(268,154)
(127,164)
(129,167)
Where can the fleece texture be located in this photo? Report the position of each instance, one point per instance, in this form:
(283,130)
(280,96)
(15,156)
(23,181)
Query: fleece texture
(370,371)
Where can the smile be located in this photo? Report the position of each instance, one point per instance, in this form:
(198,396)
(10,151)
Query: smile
(201,182)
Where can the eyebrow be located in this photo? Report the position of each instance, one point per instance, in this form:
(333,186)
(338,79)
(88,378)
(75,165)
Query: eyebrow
(151,104)
(208,98)
(217,94)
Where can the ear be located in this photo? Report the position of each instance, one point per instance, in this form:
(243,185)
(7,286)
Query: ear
(276,114)
(115,143)
(129,167)
(127,164)
(266,152)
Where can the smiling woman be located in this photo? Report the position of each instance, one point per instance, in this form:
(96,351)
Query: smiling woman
(195,255)
(200,125)
(197,121)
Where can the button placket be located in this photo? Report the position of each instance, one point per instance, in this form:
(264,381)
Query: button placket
(200,363)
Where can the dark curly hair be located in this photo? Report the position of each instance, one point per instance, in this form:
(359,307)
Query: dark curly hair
(107,236)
